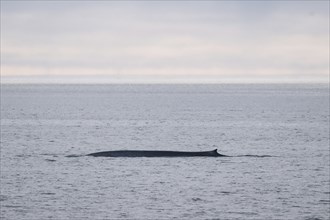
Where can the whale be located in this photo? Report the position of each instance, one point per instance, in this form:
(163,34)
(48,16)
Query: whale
(156,153)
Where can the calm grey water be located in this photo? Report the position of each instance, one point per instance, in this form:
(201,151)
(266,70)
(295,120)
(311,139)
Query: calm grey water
(41,124)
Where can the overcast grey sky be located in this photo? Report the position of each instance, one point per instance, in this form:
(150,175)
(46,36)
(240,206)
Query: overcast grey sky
(160,41)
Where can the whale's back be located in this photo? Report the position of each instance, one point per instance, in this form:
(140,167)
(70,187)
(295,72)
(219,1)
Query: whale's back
(148,153)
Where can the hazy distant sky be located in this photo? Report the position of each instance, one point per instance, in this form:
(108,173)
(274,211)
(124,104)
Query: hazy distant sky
(165,41)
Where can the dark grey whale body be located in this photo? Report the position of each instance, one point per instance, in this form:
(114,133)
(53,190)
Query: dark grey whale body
(149,153)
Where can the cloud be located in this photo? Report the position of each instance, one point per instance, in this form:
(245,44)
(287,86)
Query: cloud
(223,39)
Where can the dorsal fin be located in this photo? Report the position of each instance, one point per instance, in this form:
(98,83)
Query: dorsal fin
(215,152)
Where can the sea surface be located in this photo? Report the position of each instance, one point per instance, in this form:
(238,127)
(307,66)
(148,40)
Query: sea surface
(277,134)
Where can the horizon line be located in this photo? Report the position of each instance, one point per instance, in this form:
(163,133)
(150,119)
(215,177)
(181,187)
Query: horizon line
(184,79)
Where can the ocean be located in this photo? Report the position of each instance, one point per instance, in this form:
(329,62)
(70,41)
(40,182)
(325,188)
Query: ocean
(277,135)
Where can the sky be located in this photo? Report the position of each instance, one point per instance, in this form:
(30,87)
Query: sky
(164,41)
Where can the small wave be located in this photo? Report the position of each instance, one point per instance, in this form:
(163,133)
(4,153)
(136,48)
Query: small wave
(3,198)
(47,193)
(12,206)
(75,155)
(325,201)
(47,154)
(225,192)
(244,213)
(313,218)
(251,155)
(196,199)
(23,155)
